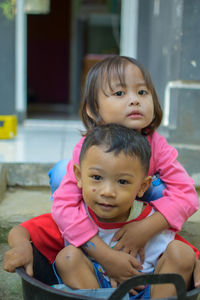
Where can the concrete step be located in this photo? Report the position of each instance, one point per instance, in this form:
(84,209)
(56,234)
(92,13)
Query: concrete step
(20,204)
(23,175)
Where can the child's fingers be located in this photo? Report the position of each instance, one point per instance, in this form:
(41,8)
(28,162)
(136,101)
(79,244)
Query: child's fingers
(142,255)
(197,284)
(113,283)
(136,264)
(133,292)
(11,265)
(29,269)
(118,235)
(197,274)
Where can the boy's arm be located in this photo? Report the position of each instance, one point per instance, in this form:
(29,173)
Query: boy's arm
(119,265)
(21,252)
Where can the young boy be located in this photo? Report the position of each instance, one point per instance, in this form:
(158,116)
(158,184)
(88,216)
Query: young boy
(113,165)
(112,172)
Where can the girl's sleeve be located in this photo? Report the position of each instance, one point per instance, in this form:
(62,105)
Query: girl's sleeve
(68,210)
(180,199)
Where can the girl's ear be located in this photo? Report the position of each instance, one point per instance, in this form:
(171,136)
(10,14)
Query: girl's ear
(89,113)
(144,186)
(77,173)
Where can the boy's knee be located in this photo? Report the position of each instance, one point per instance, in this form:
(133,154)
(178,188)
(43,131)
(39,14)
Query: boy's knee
(181,254)
(68,257)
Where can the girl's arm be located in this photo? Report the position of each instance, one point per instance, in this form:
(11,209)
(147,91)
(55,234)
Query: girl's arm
(180,199)
(21,252)
(178,203)
(68,210)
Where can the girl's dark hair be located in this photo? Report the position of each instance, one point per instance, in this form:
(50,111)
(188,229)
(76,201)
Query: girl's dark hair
(117,138)
(103,72)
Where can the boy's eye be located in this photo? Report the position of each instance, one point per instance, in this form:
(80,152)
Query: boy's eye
(142,92)
(119,93)
(96,177)
(123,181)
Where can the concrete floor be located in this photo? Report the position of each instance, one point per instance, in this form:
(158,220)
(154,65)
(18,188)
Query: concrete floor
(41,141)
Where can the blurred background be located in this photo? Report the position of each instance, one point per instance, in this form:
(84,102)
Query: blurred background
(47,47)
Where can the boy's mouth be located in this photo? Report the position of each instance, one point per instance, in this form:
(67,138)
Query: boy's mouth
(105,206)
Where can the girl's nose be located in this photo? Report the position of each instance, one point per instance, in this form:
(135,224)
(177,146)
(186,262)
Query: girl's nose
(133,100)
(108,190)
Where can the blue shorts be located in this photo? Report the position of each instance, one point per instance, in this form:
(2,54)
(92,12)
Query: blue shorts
(105,287)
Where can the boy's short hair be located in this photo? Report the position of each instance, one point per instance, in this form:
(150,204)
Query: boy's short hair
(117,138)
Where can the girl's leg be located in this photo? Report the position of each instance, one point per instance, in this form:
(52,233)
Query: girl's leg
(178,258)
(75,269)
(56,175)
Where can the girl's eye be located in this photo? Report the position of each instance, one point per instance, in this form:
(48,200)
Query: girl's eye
(96,177)
(119,93)
(123,181)
(142,92)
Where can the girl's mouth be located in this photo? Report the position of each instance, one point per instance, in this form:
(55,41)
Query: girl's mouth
(135,115)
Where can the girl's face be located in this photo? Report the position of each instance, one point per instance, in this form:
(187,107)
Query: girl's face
(130,105)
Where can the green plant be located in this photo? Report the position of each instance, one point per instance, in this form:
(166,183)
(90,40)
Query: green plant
(8,8)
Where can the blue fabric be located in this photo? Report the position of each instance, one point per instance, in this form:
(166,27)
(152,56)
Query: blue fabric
(103,280)
(155,190)
(57,173)
(105,289)
(95,293)
(103,293)
(144,294)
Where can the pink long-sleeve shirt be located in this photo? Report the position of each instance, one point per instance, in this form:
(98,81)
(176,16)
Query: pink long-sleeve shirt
(178,203)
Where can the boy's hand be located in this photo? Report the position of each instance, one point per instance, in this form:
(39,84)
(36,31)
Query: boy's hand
(19,256)
(197,274)
(120,266)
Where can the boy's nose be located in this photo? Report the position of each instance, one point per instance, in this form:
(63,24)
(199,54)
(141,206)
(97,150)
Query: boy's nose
(108,190)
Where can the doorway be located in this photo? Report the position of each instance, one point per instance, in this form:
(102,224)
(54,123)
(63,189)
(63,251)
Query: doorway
(48,62)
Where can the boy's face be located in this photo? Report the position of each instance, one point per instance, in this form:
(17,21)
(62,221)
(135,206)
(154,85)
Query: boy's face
(110,183)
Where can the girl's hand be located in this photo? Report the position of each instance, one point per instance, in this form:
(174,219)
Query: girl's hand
(19,256)
(133,236)
(131,239)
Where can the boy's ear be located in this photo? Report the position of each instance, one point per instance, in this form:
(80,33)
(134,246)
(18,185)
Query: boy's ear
(77,173)
(144,186)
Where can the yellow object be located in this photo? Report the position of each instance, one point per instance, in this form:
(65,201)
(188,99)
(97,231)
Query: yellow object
(8,126)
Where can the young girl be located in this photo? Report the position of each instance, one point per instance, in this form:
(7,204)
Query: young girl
(120,90)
